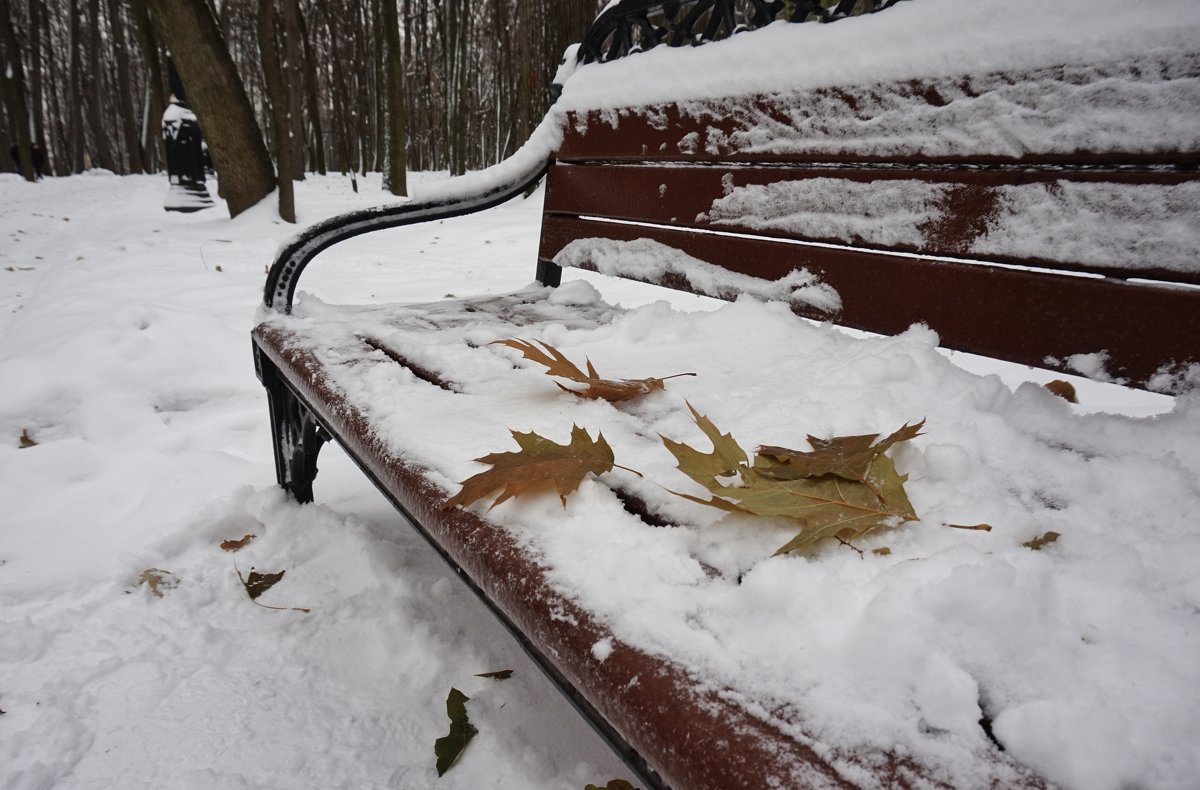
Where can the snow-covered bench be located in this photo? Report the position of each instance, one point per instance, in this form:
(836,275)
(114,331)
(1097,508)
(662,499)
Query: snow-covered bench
(1028,196)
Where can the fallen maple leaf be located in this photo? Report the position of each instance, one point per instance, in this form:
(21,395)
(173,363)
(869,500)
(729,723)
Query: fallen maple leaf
(538,461)
(158,581)
(828,504)
(449,747)
(259,583)
(849,457)
(557,364)
(237,545)
(1042,540)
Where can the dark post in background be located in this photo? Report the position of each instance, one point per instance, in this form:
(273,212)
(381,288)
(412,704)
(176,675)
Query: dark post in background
(186,152)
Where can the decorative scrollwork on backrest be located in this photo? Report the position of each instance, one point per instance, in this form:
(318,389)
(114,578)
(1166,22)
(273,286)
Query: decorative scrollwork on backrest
(636,25)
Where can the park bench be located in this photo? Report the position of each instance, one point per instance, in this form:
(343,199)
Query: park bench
(1050,236)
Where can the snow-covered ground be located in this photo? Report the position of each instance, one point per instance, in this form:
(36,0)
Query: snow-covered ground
(125,354)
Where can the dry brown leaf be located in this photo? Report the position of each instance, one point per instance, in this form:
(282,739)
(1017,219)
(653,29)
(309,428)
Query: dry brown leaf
(500,674)
(26,441)
(1041,540)
(844,456)
(827,504)
(259,583)
(557,364)
(974,527)
(1063,389)
(158,581)
(237,545)
(538,461)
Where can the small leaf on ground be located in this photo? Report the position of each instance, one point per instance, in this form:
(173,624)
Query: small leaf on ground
(500,674)
(1041,540)
(237,545)
(26,441)
(975,527)
(557,364)
(449,747)
(258,583)
(843,489)
(613,784)
(882,551)
(159,581)
(538,461)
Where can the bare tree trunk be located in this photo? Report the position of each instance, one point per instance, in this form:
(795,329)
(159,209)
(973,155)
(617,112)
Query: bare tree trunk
(36,24)
(75,96)
(268,50)
(395,176)
(124,86)
(155,100)
(294,77)
(101,134)
(218,98)
(310,94)
(12,74)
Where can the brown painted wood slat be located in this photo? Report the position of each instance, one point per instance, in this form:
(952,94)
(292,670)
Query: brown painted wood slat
(1022,316)
(1118,223)
(1089,114)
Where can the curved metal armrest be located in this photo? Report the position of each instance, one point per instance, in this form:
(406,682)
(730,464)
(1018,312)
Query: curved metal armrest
(296,254)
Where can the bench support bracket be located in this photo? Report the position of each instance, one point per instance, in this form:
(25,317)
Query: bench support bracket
(296,435)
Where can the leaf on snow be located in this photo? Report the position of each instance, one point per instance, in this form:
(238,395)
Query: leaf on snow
(158,581)
(1063,389)
(557,364)
(844,456)
(26,441)
(237,545)
(973,527)
(538,461)
(1041,540)
(500,674)
(449,747)
(724,460)
(828,504)
(258,583)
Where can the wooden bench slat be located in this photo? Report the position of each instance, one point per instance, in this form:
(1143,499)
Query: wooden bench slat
(1087,113)
(1022,316)
(1119,223)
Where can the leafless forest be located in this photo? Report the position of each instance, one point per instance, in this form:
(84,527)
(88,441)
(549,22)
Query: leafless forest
(87,79)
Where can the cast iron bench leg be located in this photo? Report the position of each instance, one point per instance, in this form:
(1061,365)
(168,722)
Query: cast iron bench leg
(296,436)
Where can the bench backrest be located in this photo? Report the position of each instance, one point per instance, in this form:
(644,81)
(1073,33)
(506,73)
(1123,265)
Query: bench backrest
(1013,213)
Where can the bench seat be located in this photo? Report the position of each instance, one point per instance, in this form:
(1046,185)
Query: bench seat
(374,374)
